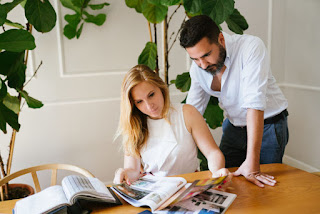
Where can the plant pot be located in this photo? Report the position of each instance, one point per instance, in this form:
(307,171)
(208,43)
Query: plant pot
(17,191)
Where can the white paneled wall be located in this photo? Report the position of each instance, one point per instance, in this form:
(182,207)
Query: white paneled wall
(79,83)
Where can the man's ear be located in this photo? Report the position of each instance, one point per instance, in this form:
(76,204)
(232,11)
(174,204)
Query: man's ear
(221,40)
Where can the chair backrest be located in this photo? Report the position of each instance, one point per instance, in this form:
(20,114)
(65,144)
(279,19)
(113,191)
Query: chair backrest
(33,171)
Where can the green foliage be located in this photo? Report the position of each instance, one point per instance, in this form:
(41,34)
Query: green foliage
(8,116)
(41,15)
(148,55)
(17,40)
(13,45)
(32,103)
(76,21)
(213,113)
(236,22)
(154,13)
(183,82)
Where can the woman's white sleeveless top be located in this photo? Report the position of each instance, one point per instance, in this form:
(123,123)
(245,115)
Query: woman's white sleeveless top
(170,148)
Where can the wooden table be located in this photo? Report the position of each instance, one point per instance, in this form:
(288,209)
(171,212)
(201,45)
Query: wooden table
(296,191)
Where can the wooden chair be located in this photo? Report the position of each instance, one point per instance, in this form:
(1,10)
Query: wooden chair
(33,172)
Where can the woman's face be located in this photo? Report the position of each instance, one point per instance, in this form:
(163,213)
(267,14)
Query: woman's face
(148,99)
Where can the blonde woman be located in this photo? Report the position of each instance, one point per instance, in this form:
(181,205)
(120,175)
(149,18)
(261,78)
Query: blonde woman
(160,137)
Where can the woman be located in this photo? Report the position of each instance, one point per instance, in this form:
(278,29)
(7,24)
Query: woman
(160,137)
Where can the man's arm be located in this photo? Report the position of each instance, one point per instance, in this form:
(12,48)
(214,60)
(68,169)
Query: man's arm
(250,168)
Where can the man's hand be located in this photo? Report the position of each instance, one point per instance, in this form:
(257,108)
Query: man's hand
(254,175)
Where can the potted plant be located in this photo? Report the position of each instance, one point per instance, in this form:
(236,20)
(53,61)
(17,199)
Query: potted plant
(16,41)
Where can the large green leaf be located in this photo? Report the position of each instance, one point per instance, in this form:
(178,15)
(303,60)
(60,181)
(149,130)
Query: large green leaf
(98,6)
(236,22)
(154,13)
(8,61)
(32,103)
(183,82)
(17,40)
(8,116)
(3,14)
(136,4)
(148,55)
(218,10)
(98,19)
(3,89)
(73,20)
(17,74)
(41,15)
(213,113)
(10,5)
(12,103)
(69,31)
(192,6)
(68,4)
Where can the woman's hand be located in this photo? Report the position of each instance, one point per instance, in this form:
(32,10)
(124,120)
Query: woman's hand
(226,183)
(125,175)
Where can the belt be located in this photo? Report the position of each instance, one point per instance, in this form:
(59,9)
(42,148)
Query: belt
(277,117)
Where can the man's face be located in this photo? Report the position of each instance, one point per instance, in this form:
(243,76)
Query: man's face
(209,57)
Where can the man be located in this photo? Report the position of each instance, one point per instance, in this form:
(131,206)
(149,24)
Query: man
(236,69)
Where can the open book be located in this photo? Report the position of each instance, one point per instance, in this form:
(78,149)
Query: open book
(73,188)
(161,192)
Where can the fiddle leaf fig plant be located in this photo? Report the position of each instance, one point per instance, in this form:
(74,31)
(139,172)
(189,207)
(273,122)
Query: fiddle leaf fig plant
(16,40)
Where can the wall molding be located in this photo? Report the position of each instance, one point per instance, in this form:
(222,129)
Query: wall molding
(61,55)
(299,164)
(297,86)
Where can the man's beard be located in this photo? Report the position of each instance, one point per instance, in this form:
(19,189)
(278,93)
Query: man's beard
(216,68)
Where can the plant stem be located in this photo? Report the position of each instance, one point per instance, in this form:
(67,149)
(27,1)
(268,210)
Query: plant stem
(150,34)
(34,74)
(155,41)
(184,20)
(165,50)
(173,13)
(14,132)
(5,189)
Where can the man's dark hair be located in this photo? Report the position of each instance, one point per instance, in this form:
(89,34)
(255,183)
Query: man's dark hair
(196,29)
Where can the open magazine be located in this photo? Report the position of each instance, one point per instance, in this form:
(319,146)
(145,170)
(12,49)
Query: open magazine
(209,201)
(161,192)
(56,198)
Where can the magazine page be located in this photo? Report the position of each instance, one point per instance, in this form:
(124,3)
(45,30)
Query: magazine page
(150,190)
(45,201)
(210,201)
(199,186)
(80,187)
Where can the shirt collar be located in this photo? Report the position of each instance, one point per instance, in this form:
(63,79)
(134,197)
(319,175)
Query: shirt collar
(228,44)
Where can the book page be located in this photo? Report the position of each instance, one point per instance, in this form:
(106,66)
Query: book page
(45,201)
(76,187)
(150,190)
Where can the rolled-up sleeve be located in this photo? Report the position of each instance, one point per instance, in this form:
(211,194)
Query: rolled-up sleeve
(254,76)
(196,95)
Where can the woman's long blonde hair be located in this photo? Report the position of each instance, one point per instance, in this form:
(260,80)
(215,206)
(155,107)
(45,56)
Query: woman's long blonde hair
(133,123)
